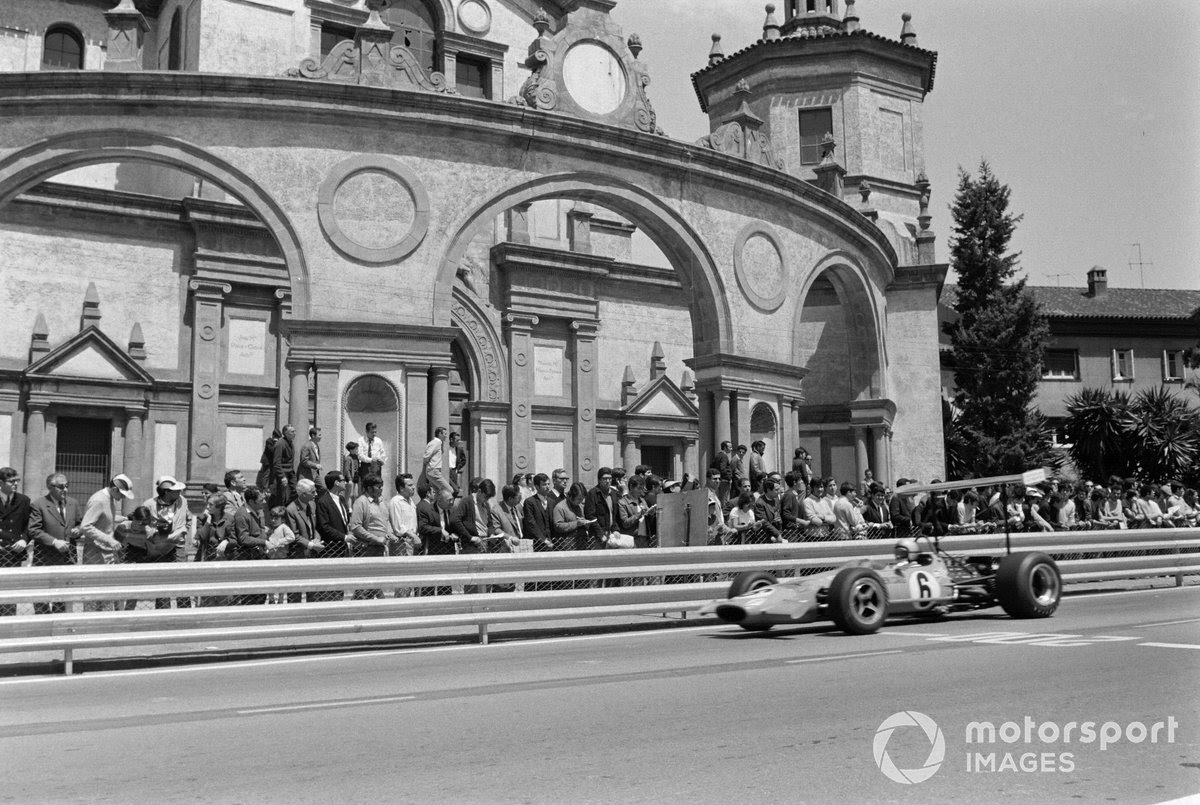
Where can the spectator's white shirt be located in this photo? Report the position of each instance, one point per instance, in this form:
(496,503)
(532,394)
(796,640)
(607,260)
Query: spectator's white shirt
(404,516)
(372,450)
(433,454)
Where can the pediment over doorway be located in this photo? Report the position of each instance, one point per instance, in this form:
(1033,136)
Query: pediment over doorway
(663,398)
(90,355)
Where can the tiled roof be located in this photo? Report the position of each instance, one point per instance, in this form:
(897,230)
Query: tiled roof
(784,40)
(1115,303)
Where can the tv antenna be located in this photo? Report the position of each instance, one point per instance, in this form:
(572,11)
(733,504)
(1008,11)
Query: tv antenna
(1058,278)
(1141,265)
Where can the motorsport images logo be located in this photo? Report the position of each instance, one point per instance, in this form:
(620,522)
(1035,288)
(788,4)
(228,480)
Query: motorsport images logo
(937,747)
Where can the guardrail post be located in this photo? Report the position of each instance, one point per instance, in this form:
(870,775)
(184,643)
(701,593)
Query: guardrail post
(68,661)
(483,634)
(1179,575)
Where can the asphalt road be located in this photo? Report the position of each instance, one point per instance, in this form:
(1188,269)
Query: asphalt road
(699,714)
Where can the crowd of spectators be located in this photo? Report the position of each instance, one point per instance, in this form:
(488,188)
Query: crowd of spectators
(296,510)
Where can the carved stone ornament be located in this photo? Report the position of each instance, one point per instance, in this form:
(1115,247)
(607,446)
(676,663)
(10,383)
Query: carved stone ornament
(587,70)
(740,134)
(370,59)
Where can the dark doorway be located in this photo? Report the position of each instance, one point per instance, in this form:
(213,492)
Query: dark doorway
(83,453)
(660,460)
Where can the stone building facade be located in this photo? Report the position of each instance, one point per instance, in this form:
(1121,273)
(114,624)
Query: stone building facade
(220,216)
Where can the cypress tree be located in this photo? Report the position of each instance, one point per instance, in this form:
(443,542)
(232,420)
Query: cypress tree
(998,340)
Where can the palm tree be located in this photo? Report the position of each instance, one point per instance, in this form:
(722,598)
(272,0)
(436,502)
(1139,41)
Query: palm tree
(1096,426)
(1166,431)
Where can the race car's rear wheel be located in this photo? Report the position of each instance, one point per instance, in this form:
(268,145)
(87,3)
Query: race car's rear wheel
(858,600)
(1028,585)
(748,582)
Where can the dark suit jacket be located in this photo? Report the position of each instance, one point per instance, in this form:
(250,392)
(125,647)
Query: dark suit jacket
(303,522)
(723,463)
(45,526)
(331,527)
(247,532)
(14,520)
(594,508)
(791,510)
(873,513)
(539,522)
(429,529)
(766,513)
(904,513)
(309,467)
(283,461)
(463,524)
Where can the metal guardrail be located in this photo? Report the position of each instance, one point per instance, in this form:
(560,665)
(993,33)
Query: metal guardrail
(657,580)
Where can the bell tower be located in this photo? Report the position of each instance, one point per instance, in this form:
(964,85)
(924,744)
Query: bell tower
(841,107)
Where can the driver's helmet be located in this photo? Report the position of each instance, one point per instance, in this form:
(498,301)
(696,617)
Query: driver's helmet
(906,549)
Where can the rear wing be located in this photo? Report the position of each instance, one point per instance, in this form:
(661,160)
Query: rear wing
(1028,478)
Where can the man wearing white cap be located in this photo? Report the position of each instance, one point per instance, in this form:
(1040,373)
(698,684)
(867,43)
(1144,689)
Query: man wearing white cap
(101,522)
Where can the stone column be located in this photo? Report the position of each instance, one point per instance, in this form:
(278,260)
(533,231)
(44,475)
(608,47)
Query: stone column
(882,470)
(722,420)
(704,402)
(689,458)
(35,449)
(417,433)
(586,394)
(439,408)
(134,456)
(741,399)
(298,400)
(519,328)
(631,453)
(791,411)
(860,454)
(325,376)
(208,300)
(126,35)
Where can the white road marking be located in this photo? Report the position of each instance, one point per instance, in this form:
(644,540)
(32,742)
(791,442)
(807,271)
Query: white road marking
(1171,645)
(209,666)
(1166,623)
(324,705)
(843,656)
(912,634)
(1051,639)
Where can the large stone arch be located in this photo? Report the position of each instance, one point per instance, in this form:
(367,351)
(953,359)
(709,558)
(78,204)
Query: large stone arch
(864,312)
(670,232)
(30,166)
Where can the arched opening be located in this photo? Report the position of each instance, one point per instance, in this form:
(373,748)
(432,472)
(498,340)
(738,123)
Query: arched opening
(764,428)
(372,399)
(416,26)
(62,48)
(140,324)
(175,42)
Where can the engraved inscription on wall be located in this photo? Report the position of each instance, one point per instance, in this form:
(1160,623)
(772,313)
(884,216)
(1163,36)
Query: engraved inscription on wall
(547,371)
(247,347)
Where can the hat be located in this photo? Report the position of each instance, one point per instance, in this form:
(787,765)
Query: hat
(672,486)
(123,485)
(902,481)
(168,482)
(1033,492)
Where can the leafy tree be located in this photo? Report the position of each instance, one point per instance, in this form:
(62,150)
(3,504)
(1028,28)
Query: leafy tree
(997,339)
(1154,436)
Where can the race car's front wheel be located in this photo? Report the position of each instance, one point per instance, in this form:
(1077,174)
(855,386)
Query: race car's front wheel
(858,600)
(748,582)
(1028,585)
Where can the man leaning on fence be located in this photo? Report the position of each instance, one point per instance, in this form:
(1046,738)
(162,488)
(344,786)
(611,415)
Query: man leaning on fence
(14,522)
(54,522)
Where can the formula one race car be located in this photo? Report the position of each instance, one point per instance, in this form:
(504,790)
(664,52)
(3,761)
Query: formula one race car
(921,580)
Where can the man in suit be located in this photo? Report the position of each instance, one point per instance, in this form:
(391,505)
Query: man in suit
(510,521)
(457,456)
(903,509)
(310,456)
(248,534)
(433,527)
(723,463)
(601,505)
(301,516)
(283,468)
(472,520)
(54,522)
(14,523)
(333,523)
(877,513)
(766,512)
(537,516)
(792,515)
(737,470)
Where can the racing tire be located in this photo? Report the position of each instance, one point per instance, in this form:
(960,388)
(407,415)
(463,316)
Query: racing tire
(747,582)
(1028,585)
(858,600)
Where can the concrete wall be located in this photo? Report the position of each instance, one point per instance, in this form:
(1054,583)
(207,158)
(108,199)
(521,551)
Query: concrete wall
(1096,368)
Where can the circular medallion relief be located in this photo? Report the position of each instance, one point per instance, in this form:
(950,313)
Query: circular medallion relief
(475,16)
(762,272)
(595,77)
(373,209)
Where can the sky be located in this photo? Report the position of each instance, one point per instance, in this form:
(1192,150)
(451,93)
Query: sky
(1089,110)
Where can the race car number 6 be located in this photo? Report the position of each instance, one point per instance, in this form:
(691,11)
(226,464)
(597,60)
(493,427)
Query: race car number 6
(923,585)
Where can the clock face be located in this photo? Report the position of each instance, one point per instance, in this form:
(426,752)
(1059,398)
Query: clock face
(595,77)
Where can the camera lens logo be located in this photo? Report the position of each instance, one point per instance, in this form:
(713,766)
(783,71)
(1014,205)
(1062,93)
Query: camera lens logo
(937,747)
